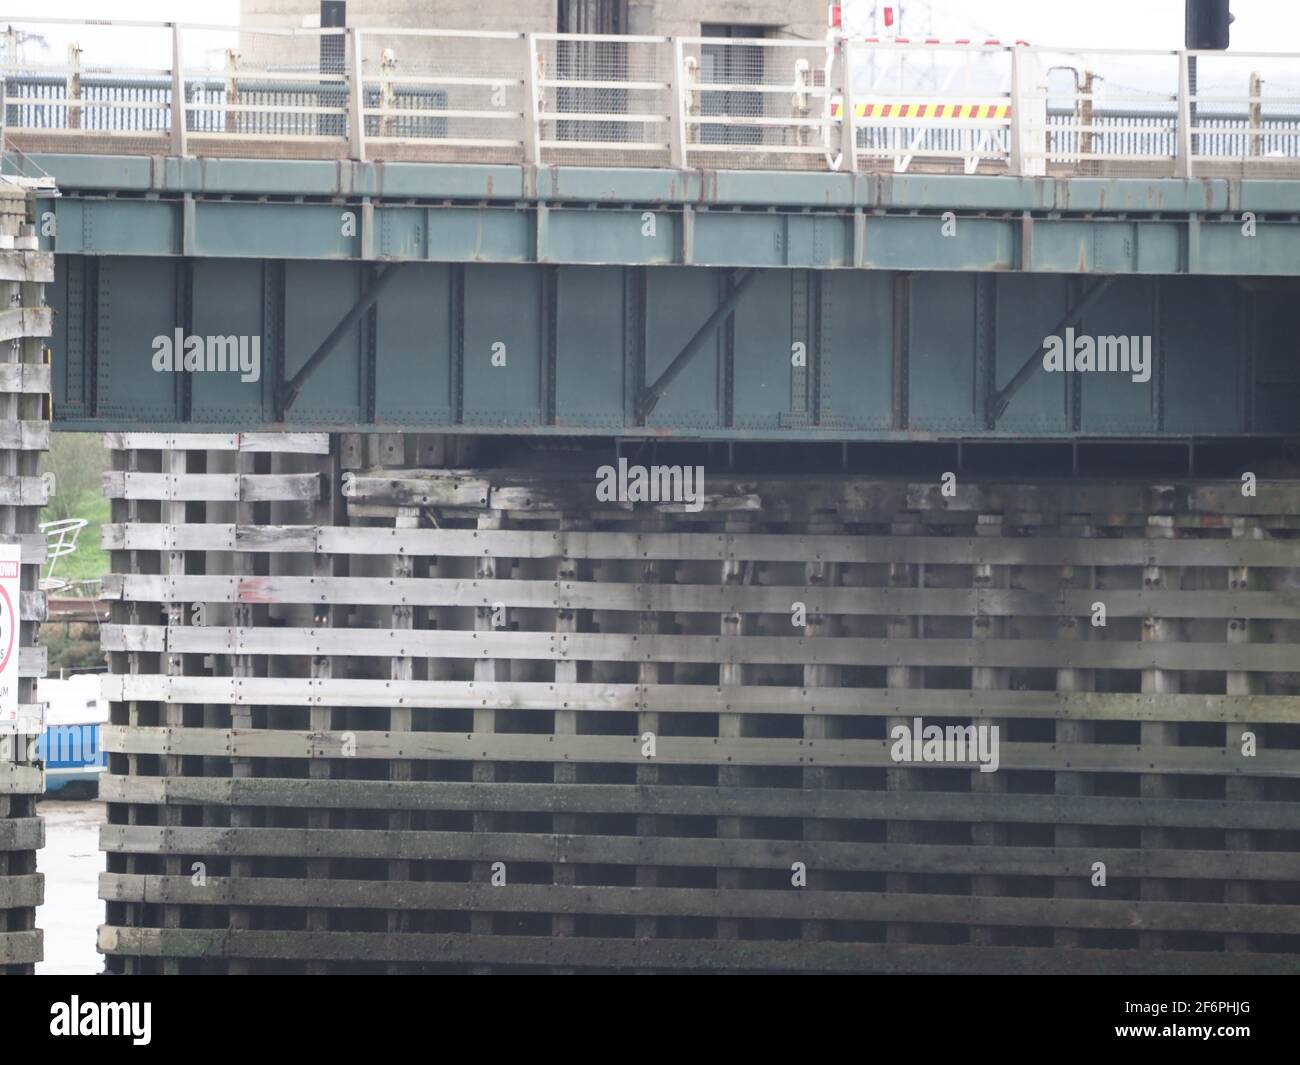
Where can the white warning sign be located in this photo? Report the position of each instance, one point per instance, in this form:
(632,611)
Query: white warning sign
(9,571)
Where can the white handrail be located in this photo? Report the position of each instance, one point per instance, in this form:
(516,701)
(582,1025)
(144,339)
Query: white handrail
(752,101)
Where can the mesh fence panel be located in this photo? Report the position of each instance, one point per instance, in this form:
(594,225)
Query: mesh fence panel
(1247,114)
(1106,113)
(931,107)
(604,101)
(757,103)
(444,96)
(265,93)
(109,87)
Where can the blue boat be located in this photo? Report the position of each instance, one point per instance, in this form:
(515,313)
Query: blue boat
(70,745)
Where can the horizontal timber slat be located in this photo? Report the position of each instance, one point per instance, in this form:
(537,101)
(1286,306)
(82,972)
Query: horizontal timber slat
(216,487)
(685,598)
(673,954)
(672,750)
(617,647)
(688,902)
(282,443)
(942,550)
(24,377)
(684,851)
(21,891)
(699,698)
(686,800)
(20,948)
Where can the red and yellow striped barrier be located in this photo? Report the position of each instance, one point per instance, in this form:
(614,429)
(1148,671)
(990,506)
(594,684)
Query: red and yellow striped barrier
(927,111)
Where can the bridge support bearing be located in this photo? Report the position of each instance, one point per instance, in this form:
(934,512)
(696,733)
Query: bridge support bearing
(439,720)
(24,437)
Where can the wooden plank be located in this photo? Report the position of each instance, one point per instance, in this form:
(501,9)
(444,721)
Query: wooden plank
(736,750)
(20,322)
(23,491)
(21,834)
(25,378)
(675,954)
(21,779)
(699,698)
(32,661)
(684,799)
(684,598)
(21,948)
(33,545)
(32,606)
(26,265)
(726,649)
(399,490)
(249,488)
(593,849)
(864,499)
(699,902)
(904,550)
(25,435)
(294,443)
(22,891)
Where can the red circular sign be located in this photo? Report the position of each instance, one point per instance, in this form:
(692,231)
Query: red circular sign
(13,625)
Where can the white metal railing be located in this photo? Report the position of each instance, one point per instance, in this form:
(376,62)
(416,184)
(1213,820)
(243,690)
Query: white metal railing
(547,98)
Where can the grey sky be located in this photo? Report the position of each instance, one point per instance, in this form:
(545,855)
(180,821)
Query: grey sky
(1261,25)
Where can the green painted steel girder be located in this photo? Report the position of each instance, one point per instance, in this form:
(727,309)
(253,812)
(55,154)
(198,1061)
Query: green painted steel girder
(638,235)
(530,348)
(175,177)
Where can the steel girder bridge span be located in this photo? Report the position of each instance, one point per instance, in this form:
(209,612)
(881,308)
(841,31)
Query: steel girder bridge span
(418,704)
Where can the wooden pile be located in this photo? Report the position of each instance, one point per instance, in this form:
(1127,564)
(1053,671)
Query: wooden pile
(24,437)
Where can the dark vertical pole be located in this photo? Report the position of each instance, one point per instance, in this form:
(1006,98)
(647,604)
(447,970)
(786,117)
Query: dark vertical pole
(333,15)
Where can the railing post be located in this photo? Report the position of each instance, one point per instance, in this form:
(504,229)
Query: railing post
(356,98)
(73,86)
(1019,112)
(1255,115)
(1086,139)
(1183,149)
(233,122)
(387,93)
(532,133)
(848,111)
(677,113)
(178,111)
